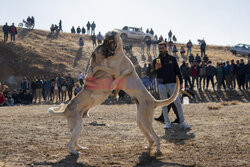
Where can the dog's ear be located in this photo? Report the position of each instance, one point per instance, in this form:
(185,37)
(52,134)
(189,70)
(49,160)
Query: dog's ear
(110,44)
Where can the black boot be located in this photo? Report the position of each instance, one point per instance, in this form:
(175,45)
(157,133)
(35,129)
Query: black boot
(176,121)
(160,118)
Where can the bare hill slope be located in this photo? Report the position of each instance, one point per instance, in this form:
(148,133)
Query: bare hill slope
(38,52)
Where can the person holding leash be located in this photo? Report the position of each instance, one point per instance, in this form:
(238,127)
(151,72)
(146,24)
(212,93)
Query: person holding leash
(166,68)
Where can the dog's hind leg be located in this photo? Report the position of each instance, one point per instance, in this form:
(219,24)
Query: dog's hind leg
(75,128)
(147,119)
(140,122)
(146,134)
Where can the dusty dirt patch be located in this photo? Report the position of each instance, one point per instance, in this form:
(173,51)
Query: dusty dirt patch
(30,137)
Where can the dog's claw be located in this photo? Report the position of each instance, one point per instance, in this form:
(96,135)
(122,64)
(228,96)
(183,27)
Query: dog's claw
(82,148)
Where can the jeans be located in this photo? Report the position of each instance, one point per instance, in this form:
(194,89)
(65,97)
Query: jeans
(188,81)
(164,90)
(70,92)
(197,81)
(154,49)
(247,78)
(212,81)
(204,81)
(5,37)
(188,51)
(12,36)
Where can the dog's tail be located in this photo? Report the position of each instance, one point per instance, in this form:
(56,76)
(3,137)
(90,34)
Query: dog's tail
(57,111)
(170,100)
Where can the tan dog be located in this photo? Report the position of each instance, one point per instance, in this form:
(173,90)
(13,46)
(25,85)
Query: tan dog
(108,62)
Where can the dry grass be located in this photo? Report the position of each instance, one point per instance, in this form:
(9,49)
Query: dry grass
(214,107)
(227,103)
(234,102)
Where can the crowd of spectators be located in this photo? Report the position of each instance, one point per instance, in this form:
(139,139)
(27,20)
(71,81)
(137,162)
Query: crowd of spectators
(42,90)
(199,74)
(79,30)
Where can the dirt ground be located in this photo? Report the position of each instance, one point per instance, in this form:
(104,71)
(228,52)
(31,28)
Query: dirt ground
(30,137)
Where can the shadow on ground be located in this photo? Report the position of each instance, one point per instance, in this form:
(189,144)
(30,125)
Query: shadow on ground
(178,136)
(146,160)
(69,160)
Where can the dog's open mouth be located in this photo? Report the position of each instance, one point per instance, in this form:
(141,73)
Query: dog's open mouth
(110,45)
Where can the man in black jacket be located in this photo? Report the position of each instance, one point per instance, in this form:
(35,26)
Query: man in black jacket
(6,32)
(167,68)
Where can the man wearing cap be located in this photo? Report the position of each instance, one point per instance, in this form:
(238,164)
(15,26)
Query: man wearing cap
(166,68)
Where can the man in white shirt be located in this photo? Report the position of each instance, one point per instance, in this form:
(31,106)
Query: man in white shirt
(81,78)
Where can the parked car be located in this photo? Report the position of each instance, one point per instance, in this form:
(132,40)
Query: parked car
(134,34)
(241,49)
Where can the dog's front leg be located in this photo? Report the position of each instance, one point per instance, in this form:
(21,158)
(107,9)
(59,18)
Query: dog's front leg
(75,128)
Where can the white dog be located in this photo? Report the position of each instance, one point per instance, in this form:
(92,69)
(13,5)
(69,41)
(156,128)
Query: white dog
(108,62)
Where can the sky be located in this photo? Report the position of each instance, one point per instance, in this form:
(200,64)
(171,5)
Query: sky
(219,22)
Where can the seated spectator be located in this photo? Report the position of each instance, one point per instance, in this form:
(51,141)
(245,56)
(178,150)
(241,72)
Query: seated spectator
(78,30)
(81,42)
(191,58)
(2,99)
(20,96)
(182,51)
(198,58)
(5,90)
(15,96)
(57,28)
(78,88)
(28,97)
(175,50)
(9,101)
(29,20)
(205,58)
(83,30)
(52,28)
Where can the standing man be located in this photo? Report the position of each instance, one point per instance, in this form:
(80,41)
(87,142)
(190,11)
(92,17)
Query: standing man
(170,35)
(70,83)
(88,27)
(60,25)
(203,48)
(93,26)
(93,38)
(99,38)
(167,68)
(81,78)
(189,47)
(6,32)
(13,32)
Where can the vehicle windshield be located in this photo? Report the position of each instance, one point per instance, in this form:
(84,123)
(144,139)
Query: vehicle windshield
(243,46)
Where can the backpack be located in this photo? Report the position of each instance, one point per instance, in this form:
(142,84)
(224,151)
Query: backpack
(13,30)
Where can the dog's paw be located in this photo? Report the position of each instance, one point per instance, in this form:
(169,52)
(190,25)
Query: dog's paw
(82,148)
